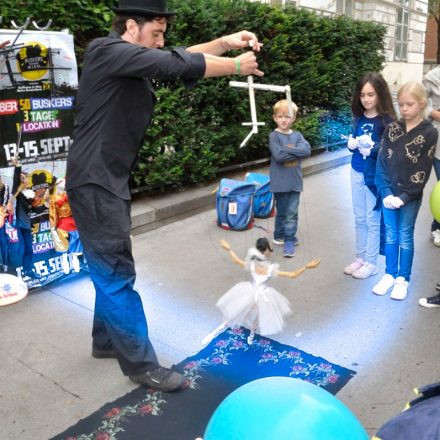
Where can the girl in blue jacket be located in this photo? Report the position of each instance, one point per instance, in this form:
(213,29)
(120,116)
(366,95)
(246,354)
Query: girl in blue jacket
(372,108)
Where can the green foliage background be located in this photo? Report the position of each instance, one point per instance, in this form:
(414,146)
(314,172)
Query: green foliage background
(320,57)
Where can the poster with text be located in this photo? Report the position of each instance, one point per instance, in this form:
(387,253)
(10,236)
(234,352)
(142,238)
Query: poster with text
(38,83)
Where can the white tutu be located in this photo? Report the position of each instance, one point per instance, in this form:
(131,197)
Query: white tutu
(254,303)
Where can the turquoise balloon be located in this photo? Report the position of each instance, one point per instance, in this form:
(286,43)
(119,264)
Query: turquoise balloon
(283,408)
(434,201)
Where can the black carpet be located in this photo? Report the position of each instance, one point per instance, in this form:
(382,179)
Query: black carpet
(213,373)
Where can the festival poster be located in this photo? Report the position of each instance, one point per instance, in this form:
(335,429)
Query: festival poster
(38,84)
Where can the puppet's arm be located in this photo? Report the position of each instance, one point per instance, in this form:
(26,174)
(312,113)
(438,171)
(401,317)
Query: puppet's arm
(310,265)
(225,245)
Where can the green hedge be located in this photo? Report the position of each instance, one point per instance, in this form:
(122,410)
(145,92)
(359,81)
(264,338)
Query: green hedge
(320,57)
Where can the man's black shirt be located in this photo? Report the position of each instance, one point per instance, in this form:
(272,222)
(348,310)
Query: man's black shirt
(114,107)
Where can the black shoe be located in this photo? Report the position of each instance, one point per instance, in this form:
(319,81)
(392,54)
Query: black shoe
(433,301)
(160,378)
(99,353)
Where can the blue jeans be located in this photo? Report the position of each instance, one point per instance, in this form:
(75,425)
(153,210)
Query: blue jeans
(4,246)
(286,218)
(399,238)
(366,220)
(25,248)
(119,323)
(435,224)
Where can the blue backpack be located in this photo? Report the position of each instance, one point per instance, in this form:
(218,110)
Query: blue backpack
(264,203)
(234,204)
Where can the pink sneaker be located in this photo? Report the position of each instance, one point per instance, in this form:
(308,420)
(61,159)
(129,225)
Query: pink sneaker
(367,270)
(353,267)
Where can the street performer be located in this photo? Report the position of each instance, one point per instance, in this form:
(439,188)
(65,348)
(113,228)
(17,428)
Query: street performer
(114,107)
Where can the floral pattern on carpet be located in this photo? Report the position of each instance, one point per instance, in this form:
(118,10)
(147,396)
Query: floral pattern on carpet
(228,359)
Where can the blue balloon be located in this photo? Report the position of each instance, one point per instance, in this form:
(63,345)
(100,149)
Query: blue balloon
(283,408)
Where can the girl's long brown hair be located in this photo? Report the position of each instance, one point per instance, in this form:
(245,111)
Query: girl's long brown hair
(384,100)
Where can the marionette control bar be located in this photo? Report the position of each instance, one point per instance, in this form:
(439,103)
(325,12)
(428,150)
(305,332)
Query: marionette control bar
(251,86)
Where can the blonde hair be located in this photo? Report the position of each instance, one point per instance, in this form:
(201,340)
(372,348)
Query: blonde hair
(283,104)
(418,92)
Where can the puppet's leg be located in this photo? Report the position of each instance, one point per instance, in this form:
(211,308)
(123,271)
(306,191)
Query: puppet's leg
(250,338)
(210,336)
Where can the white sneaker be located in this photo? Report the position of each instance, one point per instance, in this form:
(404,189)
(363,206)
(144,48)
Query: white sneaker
(250,338)
(365,271)
(353,267)
(384,285)
(436,237)
(400,289)
(278,241)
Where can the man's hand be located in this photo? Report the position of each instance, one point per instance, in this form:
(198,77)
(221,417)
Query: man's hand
(15,162)
(240,40)
(248,64)
(4,44)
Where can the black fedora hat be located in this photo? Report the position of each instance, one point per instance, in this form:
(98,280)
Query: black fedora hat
(156,8)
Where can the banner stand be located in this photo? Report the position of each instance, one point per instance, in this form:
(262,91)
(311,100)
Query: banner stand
(38,85)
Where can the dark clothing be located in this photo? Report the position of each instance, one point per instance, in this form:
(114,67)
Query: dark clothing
(25,248)
(285,165)
(403,168)
(114,107)
(104,222)
(4,240)
(4,195)
(405,160)
(420,420)
(374,127)
(23,205)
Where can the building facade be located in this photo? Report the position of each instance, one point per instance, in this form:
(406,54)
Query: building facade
(406,24)
(431,44)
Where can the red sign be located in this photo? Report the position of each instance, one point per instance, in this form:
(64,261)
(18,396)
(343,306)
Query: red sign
(8,107)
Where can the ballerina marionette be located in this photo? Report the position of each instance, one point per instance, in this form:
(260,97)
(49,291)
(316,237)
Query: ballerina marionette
(253,304)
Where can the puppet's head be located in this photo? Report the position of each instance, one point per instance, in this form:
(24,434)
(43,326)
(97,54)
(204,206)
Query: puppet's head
(263,246)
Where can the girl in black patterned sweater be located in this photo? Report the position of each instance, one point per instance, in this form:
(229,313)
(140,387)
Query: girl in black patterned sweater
(403,168)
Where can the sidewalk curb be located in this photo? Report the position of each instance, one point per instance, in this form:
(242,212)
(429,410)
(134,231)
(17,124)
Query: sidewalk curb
(152,212)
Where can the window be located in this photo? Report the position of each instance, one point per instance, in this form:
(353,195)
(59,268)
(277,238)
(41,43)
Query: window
(344,7)
(401,36)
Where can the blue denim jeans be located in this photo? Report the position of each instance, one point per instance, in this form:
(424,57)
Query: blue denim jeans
(119,323)
(25,248)
(366,220)
(4,246)
(435,224)
(286,217)
(399,238)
